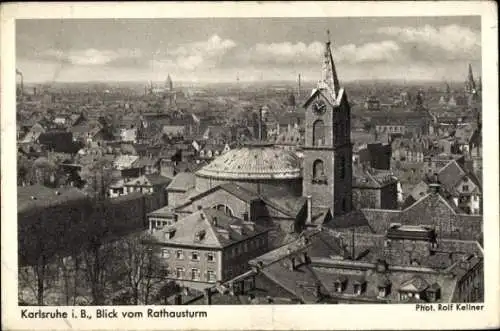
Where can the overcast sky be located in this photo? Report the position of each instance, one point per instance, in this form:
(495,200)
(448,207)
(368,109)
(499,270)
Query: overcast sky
(220,49)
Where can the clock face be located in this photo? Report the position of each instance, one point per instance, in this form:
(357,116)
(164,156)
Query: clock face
(319,107)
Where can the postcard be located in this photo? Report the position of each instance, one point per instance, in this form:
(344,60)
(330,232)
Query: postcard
(261,166)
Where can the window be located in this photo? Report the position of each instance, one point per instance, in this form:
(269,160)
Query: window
(224,209)
(179,254)
(382,292)
(403,296)
(195,274)
(465,188)
(195,256)
(211,276)
(318,133)
(342,167)
(179,272)
(210,257)
(357,288)
(165,253)
(319,176)
(339,286)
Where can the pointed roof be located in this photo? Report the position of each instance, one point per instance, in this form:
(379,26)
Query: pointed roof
(329,80)
(471,84)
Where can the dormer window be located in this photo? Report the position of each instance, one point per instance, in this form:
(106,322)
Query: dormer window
(359,287)
(339,284)
(195,256)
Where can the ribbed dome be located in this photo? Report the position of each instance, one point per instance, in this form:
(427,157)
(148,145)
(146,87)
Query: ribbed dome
(258,161)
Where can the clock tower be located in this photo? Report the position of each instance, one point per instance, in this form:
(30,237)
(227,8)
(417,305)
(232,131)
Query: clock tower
(327,167)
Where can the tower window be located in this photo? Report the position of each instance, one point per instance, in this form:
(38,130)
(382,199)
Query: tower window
(319,176)
(318,133)
(341,167)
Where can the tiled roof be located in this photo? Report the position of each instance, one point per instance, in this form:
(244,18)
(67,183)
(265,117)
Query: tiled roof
(450,175)
(153,180)
(222,233)
(355,218)
(124,161)
(288,205)
(415,284)
(254,162)
(183,181)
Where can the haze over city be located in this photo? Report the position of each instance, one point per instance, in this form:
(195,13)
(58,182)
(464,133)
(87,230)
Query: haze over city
(249,50)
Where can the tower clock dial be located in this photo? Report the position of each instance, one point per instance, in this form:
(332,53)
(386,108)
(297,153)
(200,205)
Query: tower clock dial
(319,107)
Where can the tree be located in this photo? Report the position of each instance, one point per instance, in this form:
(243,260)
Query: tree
(98,176)
(138,266)
(24,170)
(35,271)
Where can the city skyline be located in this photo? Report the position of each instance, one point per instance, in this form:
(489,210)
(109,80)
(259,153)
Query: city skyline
(269,49)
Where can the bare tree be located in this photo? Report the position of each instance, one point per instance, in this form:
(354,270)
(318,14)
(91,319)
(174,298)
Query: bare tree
(139,267)
(98,176)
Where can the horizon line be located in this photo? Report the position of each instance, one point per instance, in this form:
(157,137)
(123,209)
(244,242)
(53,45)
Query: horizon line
(147,82)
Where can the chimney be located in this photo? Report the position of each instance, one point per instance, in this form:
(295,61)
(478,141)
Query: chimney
(434,188)
(309,210)
(178,299)
(292,263)
(208,296)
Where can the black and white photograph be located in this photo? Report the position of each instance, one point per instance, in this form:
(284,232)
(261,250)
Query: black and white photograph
(249,161)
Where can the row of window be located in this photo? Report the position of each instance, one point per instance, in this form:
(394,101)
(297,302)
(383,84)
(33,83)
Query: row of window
(194,256)
(195,274)
(245,247)
(390,128)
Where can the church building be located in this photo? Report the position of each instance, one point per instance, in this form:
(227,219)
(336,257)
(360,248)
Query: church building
(327,166)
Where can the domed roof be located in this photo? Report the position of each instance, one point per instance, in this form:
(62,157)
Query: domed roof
(258,161)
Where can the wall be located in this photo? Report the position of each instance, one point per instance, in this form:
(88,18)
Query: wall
(266,187)
(172,262)
(235,264)
(376,198)
(64,227)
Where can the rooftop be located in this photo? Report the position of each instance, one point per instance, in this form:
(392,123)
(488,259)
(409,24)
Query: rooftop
(208,228)
(254,162)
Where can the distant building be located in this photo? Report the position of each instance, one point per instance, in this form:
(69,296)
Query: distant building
(374,189)
(372,103)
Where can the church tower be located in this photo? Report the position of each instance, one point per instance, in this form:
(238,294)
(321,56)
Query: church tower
(327,170)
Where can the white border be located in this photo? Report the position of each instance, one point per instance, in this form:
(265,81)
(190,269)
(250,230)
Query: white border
(261,317)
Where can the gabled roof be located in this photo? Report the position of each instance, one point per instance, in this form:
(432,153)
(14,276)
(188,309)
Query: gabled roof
(183,181)
(219,230)
(149,180)
(125,161)
(450,175)
(415,284)
(232,188)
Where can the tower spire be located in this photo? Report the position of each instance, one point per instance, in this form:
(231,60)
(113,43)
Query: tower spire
(470,84)
(329,75)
